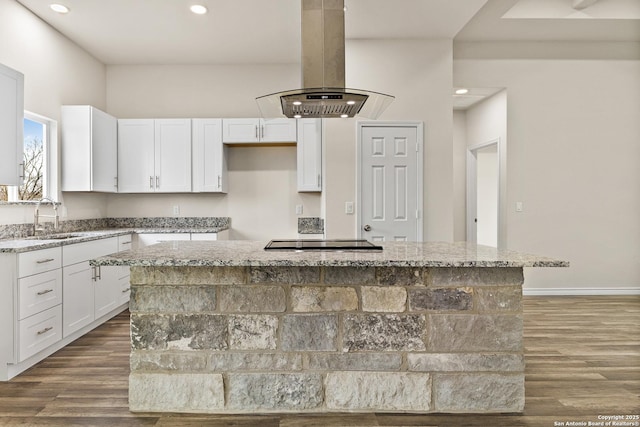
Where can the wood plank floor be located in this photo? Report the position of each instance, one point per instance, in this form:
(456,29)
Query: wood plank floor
(582,355)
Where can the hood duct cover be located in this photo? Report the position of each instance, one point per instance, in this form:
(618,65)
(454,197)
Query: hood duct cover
(323,71)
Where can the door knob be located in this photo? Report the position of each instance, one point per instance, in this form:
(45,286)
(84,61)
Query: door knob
(367,227)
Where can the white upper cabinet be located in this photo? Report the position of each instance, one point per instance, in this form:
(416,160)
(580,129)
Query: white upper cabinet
(154,155)
(173,155)
(89,149)
(136,171)
(237,131)
(209,163)
(11,118)
(309,147)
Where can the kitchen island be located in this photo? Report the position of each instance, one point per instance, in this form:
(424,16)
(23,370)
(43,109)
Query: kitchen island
(227,327)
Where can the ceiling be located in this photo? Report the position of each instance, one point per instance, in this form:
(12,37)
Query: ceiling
(260,31)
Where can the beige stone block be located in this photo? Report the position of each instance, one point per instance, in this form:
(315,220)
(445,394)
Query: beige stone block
(399,276)
(349,275)
(252,299)
(284,275)
(380,391)
(252,332)
(478,392)
(384,299)
(473,276)
(503,298)
(465,362)
(188,275)
(274,392)
(176,392)
(173,299)
(474,332)
(325,298)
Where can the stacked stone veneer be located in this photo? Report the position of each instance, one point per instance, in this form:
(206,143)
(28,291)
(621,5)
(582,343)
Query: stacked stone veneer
(325,339)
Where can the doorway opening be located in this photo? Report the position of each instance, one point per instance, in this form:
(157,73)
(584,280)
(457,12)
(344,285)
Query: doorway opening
(483,193)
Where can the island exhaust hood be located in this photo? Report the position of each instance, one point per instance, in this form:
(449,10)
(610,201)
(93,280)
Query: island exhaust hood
(323,72)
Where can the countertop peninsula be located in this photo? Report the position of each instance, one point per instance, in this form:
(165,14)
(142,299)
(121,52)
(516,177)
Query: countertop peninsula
(395,254)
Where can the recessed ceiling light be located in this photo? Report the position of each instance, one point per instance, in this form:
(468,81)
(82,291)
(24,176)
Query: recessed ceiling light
(297,116)
(297,103)
(344,116)
(60,8)
(461,91)
(351,102)
(198,9)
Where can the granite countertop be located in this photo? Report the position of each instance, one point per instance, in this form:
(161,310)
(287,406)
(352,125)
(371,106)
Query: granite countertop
(394,254)
(45,241)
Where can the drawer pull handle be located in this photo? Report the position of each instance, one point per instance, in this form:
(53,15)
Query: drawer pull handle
(45,330)
(124,291)
(46,291)
(42,261)
(125,243)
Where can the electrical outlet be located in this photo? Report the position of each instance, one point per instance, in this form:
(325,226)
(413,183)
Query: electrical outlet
(298,209)
(348,208)
(518,206)
(176,210)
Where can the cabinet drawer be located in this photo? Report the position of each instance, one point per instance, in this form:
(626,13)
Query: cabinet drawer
(39,292)
(79,252)
(39,261)
(39,332)
(124,243)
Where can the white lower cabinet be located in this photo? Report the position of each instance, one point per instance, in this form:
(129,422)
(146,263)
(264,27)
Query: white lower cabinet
(77,301)
(50,297)
(39,332)
(89,292)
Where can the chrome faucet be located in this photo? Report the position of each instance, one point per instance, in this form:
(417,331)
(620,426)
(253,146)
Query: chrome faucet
(37,216)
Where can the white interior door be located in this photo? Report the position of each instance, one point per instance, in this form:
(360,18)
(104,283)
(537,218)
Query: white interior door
(390,182)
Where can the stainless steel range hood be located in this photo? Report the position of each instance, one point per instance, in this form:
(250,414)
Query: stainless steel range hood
(323,72)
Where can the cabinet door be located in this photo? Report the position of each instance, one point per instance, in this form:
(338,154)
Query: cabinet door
(89,149)
(11,118)
(240,130)
(209,156)
(173,155)
(106,290)
(136,156)
(278,130)
(77,297)
(104,152)
(309,147)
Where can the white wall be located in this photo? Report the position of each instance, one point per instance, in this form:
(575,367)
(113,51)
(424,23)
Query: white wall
(262,181)
(573,132)
(459,175)
(419,74)
(56,72)
(486,121)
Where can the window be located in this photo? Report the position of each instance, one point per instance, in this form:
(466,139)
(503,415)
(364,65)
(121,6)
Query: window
(35,157)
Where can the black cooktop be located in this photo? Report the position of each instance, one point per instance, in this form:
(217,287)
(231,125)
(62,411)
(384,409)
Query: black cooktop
(322,245)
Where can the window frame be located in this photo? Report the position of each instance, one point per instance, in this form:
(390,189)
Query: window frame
(50,158)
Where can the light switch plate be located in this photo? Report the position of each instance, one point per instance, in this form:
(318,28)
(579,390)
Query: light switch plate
(518,206)
(298,209)
(348,208)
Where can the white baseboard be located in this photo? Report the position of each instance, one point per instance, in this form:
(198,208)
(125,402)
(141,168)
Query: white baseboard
(631,290)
